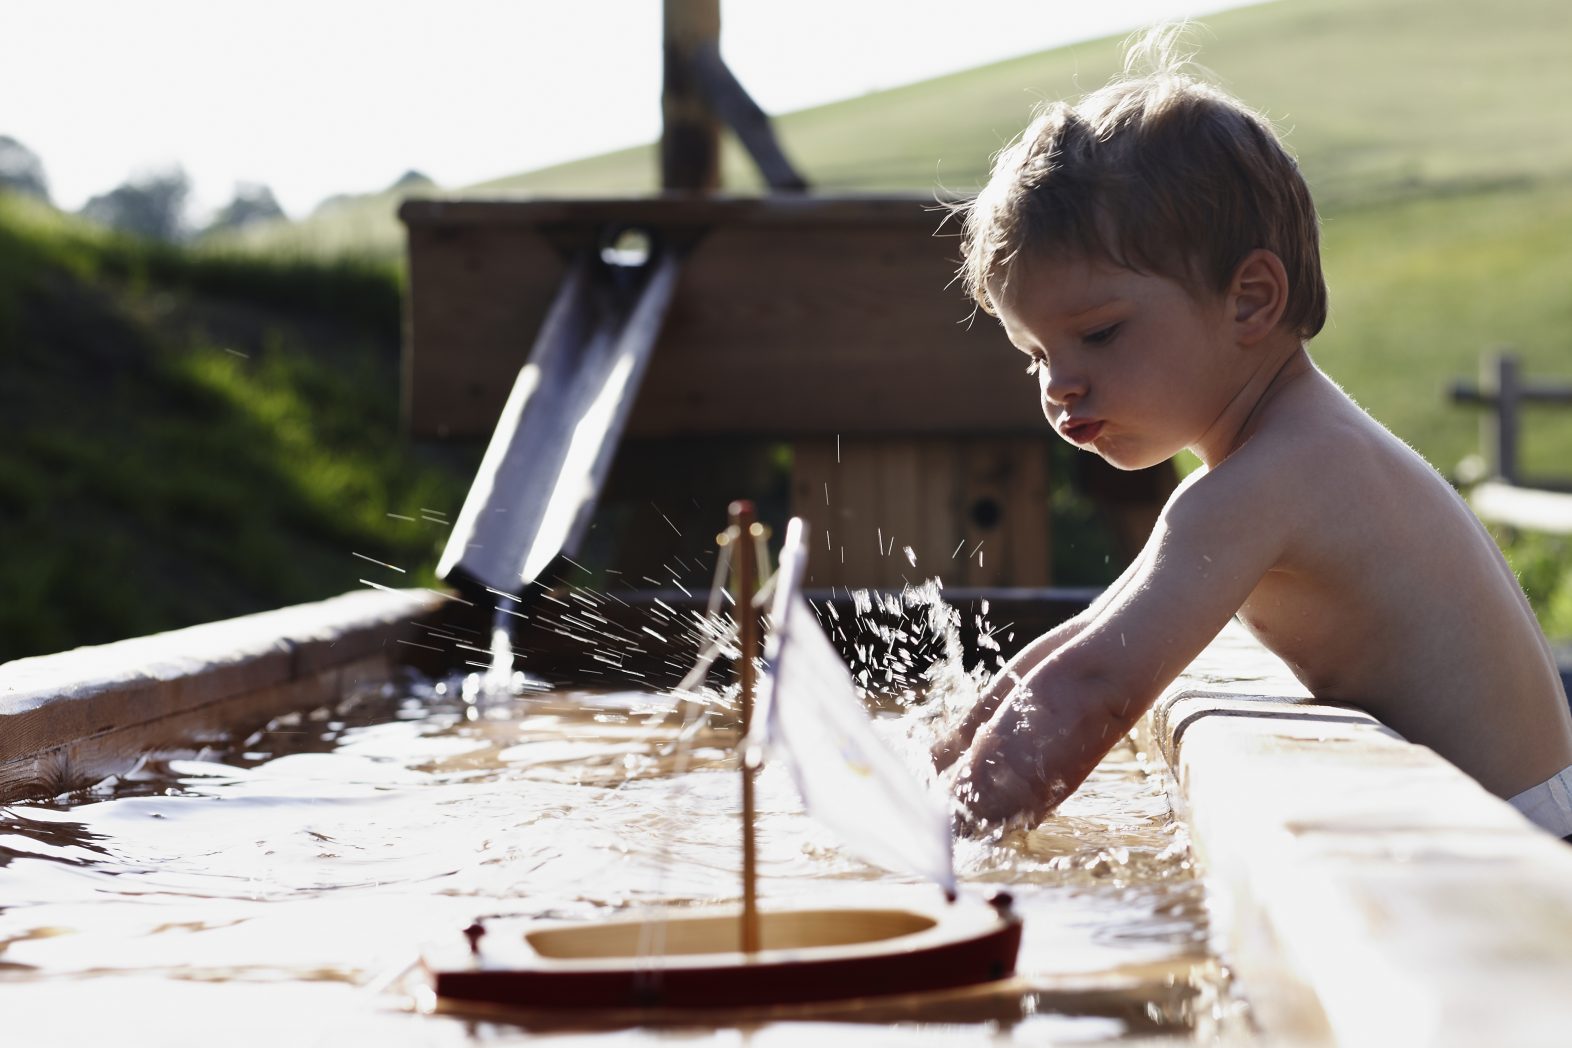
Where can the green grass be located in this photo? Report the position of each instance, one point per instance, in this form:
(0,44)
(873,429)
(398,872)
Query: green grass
(1379,98)
(1436,136)
(1542,565)
(1421,287)
(192,436)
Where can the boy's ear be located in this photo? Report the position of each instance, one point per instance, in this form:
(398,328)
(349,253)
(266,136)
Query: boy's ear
(1257,296)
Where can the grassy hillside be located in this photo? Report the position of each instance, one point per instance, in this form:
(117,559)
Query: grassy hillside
(190,436)
(1436,134)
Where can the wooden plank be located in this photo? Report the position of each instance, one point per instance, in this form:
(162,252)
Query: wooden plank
(842,331)
(1030,514)
(939,510)
(900,514)
(1396,902)
(1499,434)
(1007,518)
(80,761)
(72,717)
(475,302)
(816,497)
(835,310)
(675,210)
(1527,508)
(928,494)
(859,505)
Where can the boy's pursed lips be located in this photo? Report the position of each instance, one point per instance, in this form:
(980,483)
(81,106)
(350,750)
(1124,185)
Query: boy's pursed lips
(1080,430)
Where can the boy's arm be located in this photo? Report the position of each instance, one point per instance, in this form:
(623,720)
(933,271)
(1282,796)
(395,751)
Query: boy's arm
(953,744)
(1213,543)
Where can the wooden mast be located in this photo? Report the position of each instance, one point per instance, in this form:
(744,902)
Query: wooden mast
(745,569)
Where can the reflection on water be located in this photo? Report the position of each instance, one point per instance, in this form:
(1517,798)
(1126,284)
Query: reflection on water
(280,888)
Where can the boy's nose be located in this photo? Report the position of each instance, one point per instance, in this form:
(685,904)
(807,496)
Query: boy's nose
(1059,388)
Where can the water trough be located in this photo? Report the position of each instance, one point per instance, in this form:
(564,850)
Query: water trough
(1361,890)
(1358,890)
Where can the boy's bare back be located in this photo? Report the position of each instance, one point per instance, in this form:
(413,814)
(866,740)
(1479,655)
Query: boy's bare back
(1386,593)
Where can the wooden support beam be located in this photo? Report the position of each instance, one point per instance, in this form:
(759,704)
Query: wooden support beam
(690,131)
(1500,434)
(732,103)
(699,93)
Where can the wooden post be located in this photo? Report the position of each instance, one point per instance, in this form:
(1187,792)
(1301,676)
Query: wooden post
(1500,433)
(690,132)
(744,529)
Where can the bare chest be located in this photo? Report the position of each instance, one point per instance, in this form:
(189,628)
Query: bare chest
(1299,623)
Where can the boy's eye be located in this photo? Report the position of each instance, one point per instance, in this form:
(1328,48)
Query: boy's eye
(1035,366)
(1102,336)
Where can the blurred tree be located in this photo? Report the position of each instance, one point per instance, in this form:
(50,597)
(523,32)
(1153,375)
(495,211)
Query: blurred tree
(412,179)
(21,170)
(409,182)
(253,202)
(151,205)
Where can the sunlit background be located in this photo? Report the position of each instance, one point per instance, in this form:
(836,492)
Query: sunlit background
(317,99)
(202,410)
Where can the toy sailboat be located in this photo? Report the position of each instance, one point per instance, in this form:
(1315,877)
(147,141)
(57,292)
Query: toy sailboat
(743,956)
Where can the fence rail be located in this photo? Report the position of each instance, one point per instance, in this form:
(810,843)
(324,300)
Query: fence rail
(1504,391)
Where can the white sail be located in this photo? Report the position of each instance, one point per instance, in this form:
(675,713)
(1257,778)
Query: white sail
(808,714)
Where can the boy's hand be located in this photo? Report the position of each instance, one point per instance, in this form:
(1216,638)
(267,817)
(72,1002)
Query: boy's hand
(1028,759)
(951,746)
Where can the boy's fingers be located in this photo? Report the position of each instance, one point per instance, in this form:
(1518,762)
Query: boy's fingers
(991,791)
(946,750)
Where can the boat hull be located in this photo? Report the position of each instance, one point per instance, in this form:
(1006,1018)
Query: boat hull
(691,961)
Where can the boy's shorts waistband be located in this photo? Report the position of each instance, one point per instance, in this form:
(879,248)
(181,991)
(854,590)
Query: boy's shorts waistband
(1549,805)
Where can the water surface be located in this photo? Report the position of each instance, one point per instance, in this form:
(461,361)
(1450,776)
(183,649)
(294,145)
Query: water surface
(275,890)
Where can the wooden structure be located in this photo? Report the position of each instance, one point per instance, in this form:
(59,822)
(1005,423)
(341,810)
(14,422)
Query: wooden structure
(698,95)
(916,446)
(820,321)
(70,719)
(1504,393)
(1505,497)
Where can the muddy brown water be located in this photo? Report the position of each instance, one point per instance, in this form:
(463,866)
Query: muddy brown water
(275,889)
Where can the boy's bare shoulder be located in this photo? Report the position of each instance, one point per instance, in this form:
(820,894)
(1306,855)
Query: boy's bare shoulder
(1265,480)
(1305,460)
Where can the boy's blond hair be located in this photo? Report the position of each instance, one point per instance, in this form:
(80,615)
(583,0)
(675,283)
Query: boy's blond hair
(1156,172)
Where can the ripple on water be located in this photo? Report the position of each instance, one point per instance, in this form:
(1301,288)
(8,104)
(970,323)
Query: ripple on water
(314,856)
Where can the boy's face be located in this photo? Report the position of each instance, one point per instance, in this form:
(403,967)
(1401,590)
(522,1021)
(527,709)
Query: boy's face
(1129,365)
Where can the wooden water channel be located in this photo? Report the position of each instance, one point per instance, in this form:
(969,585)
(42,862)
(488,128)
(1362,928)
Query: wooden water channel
(1363,891)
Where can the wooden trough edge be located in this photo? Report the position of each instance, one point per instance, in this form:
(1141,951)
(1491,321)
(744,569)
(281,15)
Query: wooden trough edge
(1364,890)
(70,719)
(677,207)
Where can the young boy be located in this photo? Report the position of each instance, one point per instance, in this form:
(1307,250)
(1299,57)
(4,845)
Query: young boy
(1153,252)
